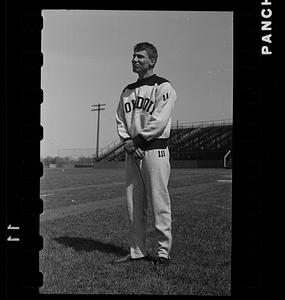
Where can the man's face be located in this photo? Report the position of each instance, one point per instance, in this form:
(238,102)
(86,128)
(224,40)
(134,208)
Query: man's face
(141,62)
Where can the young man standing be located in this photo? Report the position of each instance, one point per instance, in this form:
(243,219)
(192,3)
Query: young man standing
(143,123)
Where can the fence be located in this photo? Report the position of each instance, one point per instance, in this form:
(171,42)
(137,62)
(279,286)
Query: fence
(196,124)
(76,153)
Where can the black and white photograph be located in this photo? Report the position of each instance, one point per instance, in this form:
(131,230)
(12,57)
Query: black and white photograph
(139,149)
(137,152)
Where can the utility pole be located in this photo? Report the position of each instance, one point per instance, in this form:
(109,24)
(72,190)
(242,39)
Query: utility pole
(98,107)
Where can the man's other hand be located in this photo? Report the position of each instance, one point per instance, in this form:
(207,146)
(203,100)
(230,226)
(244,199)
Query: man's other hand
(130,146)
(138,154)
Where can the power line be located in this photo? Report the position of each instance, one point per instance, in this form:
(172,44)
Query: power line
(98,107)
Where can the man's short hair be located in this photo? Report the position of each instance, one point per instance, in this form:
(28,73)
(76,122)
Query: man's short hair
(149,48)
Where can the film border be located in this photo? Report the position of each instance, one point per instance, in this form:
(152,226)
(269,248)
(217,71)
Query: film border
(23,120)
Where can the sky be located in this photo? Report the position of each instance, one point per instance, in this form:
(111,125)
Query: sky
(87,61)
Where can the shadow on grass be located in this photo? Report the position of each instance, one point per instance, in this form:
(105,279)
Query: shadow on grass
(83,244)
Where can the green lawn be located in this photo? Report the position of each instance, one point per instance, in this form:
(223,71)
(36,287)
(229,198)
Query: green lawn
(78,250)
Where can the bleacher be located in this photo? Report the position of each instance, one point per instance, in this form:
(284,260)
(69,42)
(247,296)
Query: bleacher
(112,151)
(210,140)
(202,141)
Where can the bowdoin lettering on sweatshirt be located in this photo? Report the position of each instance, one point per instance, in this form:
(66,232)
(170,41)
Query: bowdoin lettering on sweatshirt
(145,109)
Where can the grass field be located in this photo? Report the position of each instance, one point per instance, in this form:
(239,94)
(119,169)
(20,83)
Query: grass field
(85,226)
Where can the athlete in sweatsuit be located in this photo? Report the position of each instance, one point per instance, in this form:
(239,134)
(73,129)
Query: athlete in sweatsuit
(143,122)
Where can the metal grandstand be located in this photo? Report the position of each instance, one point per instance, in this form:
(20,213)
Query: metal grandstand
(192,140)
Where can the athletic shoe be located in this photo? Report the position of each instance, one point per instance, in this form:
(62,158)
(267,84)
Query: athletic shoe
(128,258)
(161,261)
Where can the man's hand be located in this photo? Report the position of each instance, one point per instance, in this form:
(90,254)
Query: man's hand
(132,149)
(130,146)
(138,154)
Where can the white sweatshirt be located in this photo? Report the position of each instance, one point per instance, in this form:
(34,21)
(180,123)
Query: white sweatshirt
(144,111)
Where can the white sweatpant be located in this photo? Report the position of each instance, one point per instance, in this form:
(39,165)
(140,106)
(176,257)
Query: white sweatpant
(146,181)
